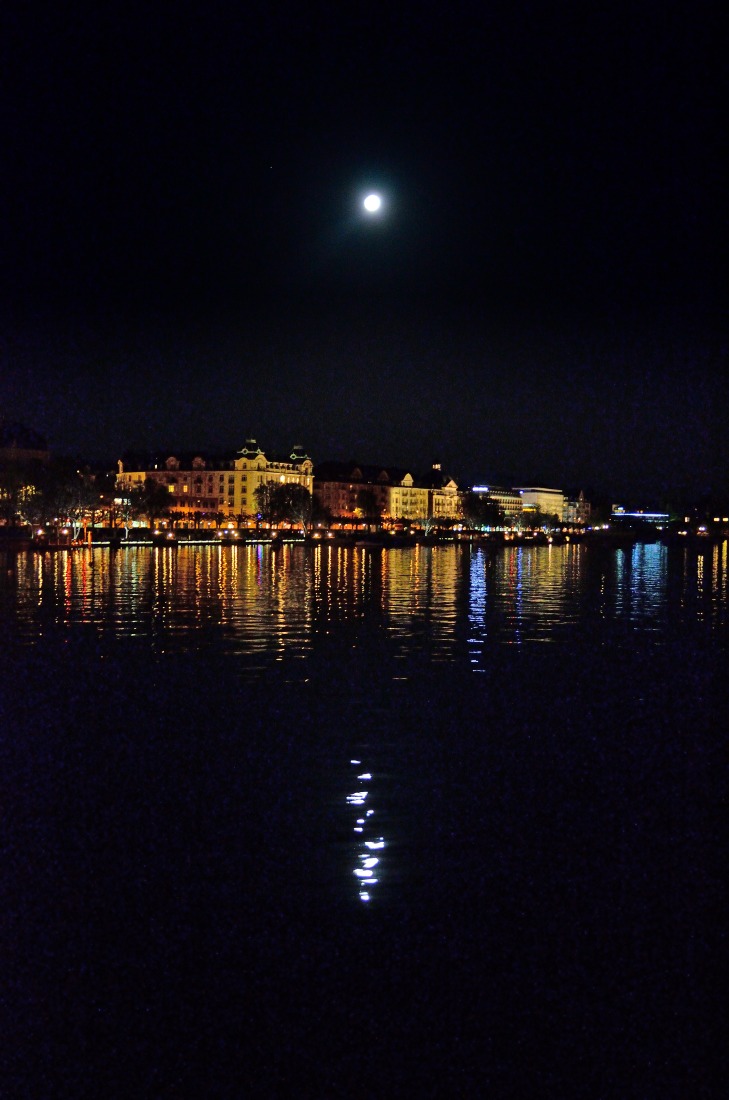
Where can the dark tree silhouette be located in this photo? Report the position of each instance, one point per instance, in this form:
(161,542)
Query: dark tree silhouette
(285,503)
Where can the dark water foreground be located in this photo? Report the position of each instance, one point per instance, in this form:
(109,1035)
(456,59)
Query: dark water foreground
(188,908)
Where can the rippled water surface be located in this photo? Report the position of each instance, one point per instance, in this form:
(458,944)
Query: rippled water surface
(328,821)
(262,605)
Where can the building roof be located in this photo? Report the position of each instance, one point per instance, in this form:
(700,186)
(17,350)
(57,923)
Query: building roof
(537,489)
(17,437)
(367,474)
(352,471)
(157,460)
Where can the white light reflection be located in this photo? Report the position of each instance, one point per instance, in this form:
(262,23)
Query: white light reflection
(366,844)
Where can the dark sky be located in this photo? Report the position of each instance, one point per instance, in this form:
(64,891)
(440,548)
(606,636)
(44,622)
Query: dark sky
(185,263)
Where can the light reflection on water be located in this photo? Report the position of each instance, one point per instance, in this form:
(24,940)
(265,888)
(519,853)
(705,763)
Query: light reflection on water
(497,788)
(368,845)
(443,604)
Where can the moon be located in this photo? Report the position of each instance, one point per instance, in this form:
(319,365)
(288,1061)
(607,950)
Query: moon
(372,204)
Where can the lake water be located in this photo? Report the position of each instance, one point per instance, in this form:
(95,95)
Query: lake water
(326,821)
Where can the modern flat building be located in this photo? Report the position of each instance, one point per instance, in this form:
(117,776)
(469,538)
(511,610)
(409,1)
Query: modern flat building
(215,489)
(549,502)
(509,500)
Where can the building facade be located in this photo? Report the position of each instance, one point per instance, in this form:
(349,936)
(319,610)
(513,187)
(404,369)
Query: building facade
(445,500)
(354,492)
(509,500)
(550,502)
(407,500)
(351,491)
(577,511)
(207,489)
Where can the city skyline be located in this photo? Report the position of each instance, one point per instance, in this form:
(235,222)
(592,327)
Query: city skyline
(186,261)
(23,448)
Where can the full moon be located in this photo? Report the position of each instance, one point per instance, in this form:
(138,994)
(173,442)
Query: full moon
(372,204)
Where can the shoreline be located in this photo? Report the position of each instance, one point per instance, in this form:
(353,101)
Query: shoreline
(362,541)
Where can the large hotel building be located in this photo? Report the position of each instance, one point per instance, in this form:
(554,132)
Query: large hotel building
(203,488)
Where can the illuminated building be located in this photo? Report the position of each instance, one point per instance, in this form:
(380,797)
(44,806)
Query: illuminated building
(358,492)
(218,489)
(577,511)
(509,500)
(351,491)
(445,501)
(406,499)
(550,502)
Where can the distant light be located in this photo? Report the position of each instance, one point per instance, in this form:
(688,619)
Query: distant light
(372,204)
(481,489)
(646,515)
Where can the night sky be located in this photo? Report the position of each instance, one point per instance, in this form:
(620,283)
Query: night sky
(185,262)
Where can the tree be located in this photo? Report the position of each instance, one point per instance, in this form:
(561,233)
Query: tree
(427,524)
(155,501)
(537,518)
(367,506)
(285,503)
(131,505)
(320,513)
(21,490)
(479,511)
